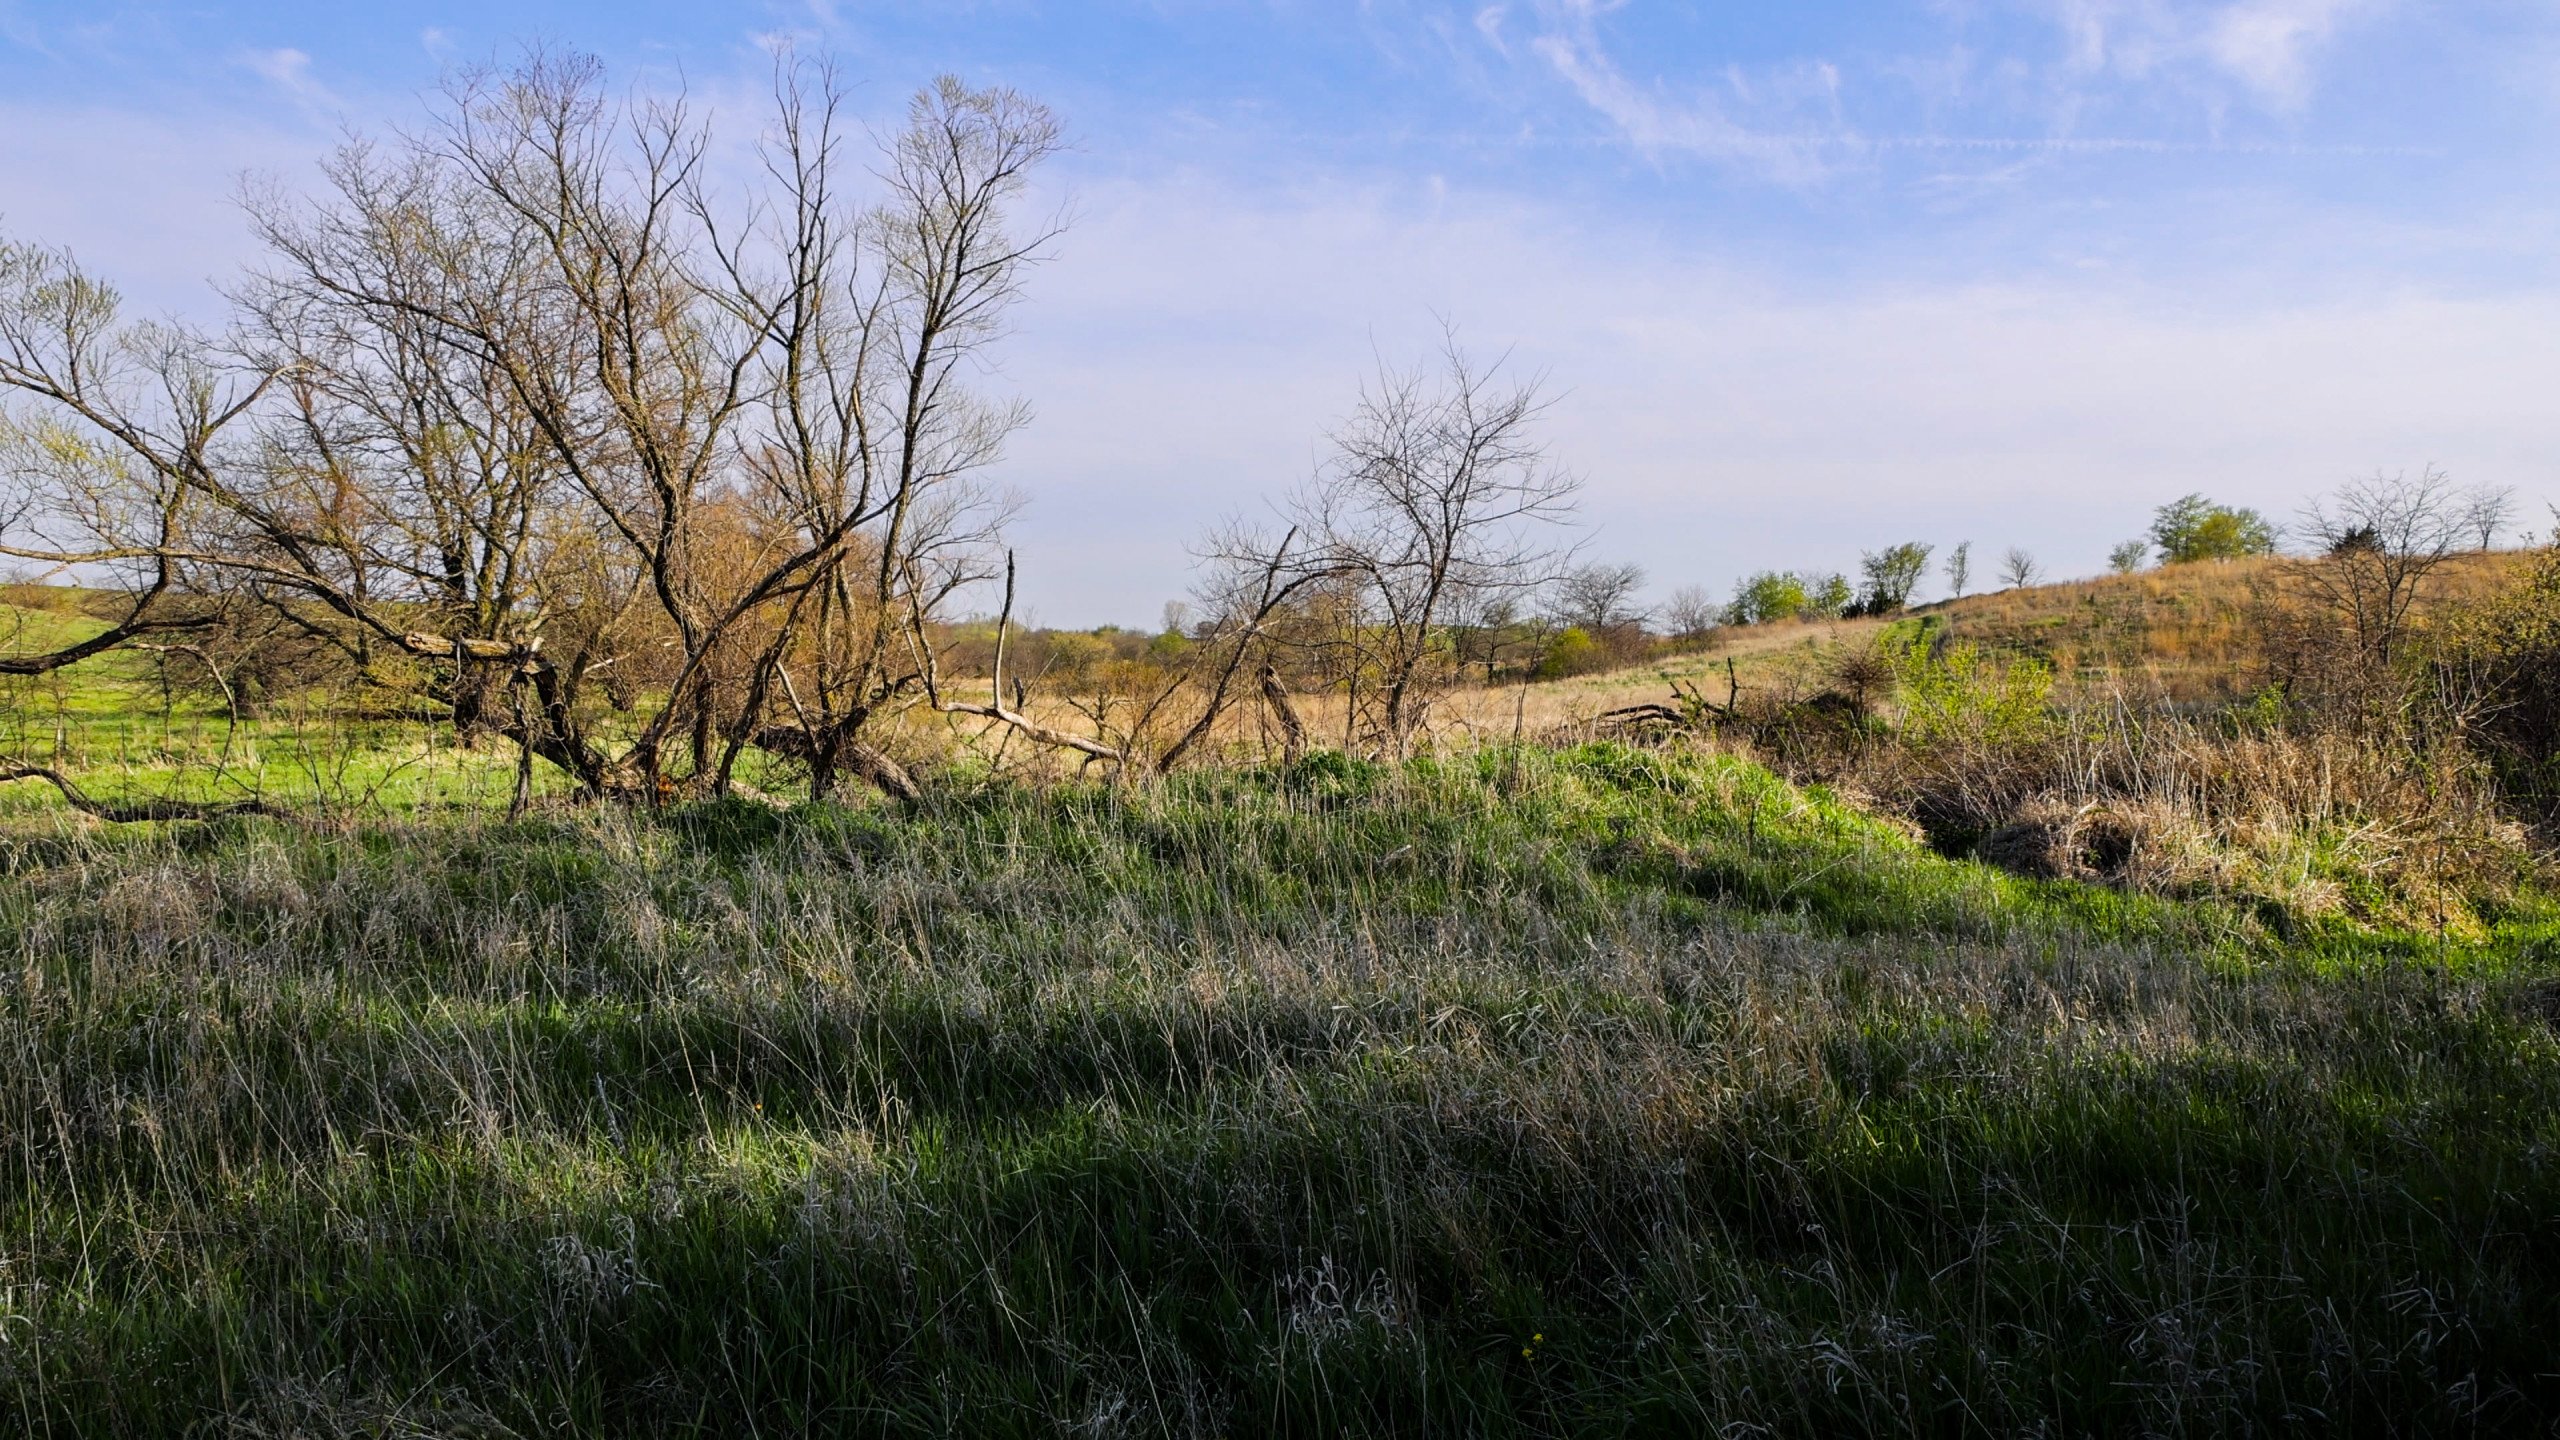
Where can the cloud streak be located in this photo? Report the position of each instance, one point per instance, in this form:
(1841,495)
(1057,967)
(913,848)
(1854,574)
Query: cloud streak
(1796,124)
(2270,47)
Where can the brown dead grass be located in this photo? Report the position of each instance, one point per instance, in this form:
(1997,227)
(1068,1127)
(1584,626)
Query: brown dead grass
(2185,633)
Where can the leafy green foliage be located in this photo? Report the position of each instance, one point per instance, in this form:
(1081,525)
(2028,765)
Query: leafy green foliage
(1827,595)
(1890,575)
(1571,651)
(1765,596)
(2193,528)
(1953,693)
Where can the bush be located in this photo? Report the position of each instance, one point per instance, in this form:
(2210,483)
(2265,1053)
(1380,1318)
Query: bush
(2498,667)
(1957,694)
(1572,652)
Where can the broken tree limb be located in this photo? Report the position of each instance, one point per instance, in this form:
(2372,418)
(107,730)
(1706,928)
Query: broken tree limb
(867,762)
(144,810)
(996,709)
(1293,731)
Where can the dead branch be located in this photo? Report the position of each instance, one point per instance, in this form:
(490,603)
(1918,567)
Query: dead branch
(996,709)
(146,810)
(1293,731)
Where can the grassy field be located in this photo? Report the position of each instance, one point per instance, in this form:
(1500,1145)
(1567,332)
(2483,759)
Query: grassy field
(1592,1092)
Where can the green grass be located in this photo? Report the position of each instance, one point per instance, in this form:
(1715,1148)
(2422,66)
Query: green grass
(1603,1092)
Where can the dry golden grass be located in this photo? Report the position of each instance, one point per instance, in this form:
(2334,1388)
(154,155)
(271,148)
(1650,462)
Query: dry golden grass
(2184,632)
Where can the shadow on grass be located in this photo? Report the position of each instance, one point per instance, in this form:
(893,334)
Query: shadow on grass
(2206,1245)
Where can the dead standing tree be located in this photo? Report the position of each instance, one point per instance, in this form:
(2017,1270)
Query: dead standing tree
(1438,498)
(2375,543)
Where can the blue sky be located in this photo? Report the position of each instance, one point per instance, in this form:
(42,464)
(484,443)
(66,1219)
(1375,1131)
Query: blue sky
(1810,278)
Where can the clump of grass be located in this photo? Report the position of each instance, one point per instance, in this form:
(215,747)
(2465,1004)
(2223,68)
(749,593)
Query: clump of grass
(2387,829)
(1603,1092)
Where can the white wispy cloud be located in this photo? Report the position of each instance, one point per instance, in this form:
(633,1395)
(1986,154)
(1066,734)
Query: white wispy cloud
(1695,124)
(289,71)
(2270,47)
(1799,124)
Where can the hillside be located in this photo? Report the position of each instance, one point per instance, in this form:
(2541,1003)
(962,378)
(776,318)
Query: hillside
(1534,1089)
(1548,1094)
(2187,631)
(2183,633)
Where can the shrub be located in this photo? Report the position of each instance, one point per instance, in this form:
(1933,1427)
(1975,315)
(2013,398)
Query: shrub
(1959,694)
(1571,652)
(2498,667)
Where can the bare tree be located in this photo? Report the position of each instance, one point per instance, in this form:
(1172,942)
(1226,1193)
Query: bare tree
(107,432)
(2375,543)
(557,387)
(1600,597)
(893,459)
(523,404)
(1693,612)
(1437,498)
(2486,509)
(2018,569)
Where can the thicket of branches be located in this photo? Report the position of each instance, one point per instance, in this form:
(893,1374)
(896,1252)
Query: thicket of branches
(538,422)
(532,406)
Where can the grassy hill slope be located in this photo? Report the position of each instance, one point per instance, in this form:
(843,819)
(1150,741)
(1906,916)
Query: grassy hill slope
(1604,1092)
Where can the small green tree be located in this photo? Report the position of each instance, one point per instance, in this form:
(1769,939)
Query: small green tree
(1827,596)
(1765,596)
(1959,568)
(2128,557)
(2193,528)
(1891,574)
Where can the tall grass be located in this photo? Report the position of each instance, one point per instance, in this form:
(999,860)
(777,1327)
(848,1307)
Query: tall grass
(1604,1092)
